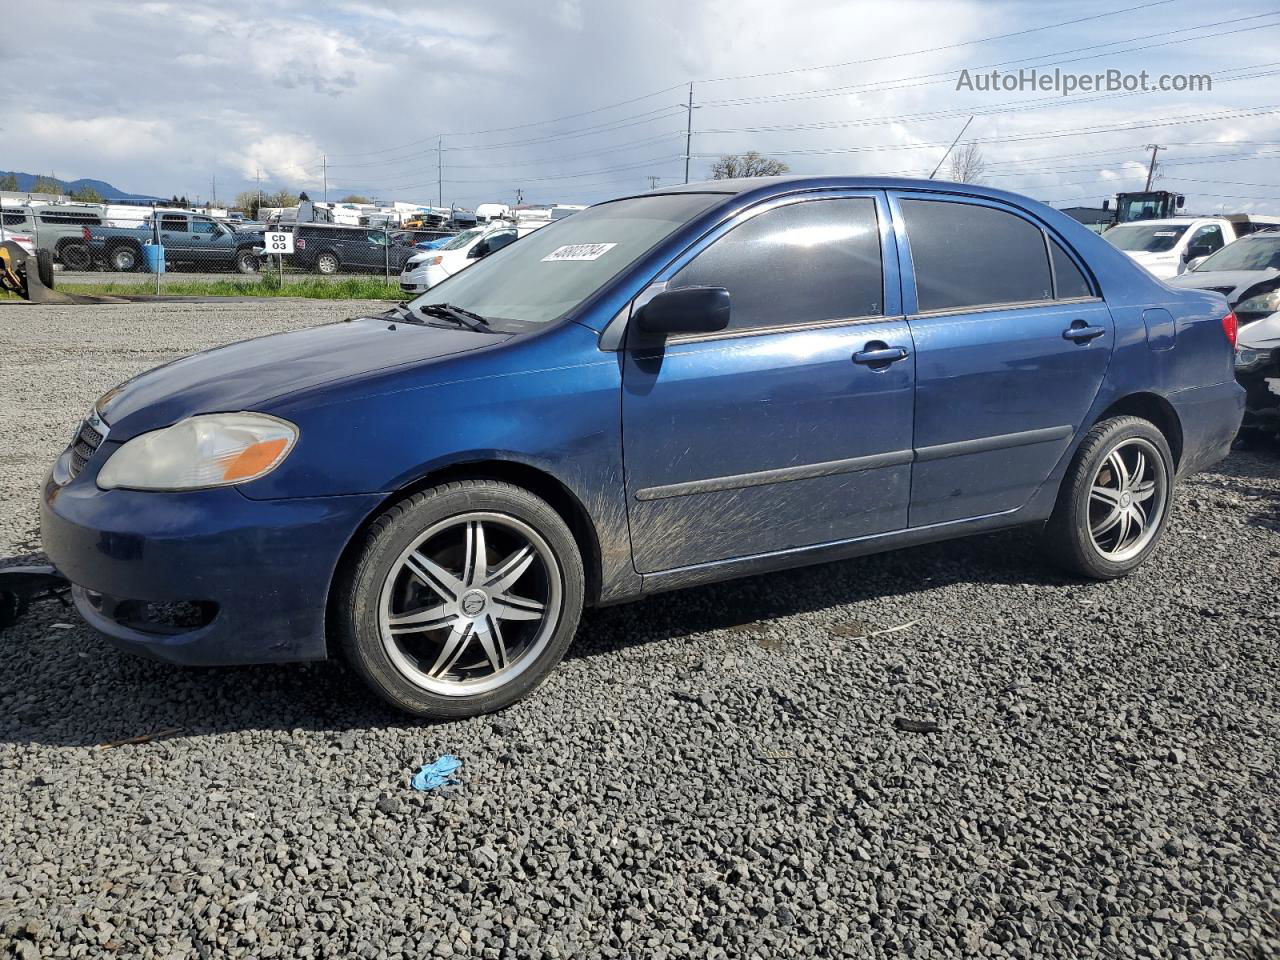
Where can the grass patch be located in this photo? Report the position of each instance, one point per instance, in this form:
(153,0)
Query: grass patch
(268,285)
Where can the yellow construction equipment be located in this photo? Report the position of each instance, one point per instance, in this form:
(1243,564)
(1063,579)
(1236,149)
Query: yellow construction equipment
(28,275)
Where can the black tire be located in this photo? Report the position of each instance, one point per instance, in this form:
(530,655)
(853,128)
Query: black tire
(125,259)
(75,256)
(1071,536)
(359,598)
(246,262)
(328,263)
(44,267)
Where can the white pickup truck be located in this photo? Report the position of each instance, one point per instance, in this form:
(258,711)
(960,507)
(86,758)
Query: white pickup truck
(1166,247)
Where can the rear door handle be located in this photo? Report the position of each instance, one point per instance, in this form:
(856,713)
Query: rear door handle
(877,354)
(1081,332)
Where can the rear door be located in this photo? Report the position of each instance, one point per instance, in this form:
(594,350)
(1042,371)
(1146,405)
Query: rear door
(175,236)
(1012,342)
(793,426)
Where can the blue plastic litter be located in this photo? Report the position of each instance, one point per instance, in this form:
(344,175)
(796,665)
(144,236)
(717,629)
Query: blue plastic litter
(436,774)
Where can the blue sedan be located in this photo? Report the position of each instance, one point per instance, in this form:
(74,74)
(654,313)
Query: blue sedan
(664,390)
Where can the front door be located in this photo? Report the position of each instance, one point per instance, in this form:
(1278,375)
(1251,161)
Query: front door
(1012,342)
(175,235)
(792,427)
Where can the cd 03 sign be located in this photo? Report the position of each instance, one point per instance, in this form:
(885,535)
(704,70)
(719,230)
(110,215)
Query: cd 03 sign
(278,243)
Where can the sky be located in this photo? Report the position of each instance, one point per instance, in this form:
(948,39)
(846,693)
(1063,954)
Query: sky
(575,101)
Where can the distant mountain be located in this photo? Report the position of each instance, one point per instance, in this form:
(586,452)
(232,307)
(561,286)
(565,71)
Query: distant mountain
(27,180)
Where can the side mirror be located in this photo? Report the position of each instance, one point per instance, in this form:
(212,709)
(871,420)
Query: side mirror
(688,310)
(1181,201)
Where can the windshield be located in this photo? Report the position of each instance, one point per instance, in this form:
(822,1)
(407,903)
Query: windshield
(1146,237)
(547,273)
(1251,253)
(461,240)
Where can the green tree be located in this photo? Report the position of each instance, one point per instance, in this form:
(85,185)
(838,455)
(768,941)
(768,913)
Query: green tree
(47,185)
(87,195)
(354,198)
(8,182)
(281,198)
(730,166)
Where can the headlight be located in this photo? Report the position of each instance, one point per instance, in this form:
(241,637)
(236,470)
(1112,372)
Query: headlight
(433,261)
(211,450)
(1263,303)
(1248,358)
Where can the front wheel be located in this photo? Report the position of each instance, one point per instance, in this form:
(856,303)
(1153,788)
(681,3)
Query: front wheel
(463,599)
(246,262)
(327,263)
(1115,500)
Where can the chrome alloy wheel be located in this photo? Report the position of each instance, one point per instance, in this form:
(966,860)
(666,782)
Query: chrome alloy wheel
(1127,499)
(470,604)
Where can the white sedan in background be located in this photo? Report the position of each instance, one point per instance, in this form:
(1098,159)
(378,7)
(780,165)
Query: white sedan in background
(426,269)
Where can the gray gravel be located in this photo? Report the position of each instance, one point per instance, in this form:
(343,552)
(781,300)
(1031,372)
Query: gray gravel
(734,771)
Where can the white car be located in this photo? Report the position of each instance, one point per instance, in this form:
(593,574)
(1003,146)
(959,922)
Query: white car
(1166,247)
(426,269)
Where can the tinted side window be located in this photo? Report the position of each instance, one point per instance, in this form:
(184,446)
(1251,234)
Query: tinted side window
(967,255)
(203,226)
(1071,282)
(801,263)
(13,219)
(174,224)
(1208,238)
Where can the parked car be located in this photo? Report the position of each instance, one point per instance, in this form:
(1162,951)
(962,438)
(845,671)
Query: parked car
(328,248)
(1258,370)
(189,239)
(664,390)
(1165,247)
(57,227)
(424,270)
(1246,272)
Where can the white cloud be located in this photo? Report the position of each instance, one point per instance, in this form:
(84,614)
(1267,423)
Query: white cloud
(160,96)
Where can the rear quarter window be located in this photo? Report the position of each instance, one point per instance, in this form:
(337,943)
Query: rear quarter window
(966,255)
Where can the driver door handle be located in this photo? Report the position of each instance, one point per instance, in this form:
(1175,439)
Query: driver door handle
(880,354)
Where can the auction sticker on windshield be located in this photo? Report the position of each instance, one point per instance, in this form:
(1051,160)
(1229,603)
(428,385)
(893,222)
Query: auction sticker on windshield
(579,251)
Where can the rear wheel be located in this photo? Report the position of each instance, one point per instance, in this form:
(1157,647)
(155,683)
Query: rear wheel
(75,256)
(124,259)
(327,263)
(1115,500)
(463,599)
(246,262)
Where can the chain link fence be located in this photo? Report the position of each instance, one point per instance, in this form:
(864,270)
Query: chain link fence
(129,249)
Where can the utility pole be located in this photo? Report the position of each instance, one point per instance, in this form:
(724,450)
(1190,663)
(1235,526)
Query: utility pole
(519,196)
(324,167)
(653,182)
(688,134)
(213,186)
(950,148)
(258,180)
(1151,167)
(440,172)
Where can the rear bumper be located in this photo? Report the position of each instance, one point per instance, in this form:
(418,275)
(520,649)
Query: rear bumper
(250,578)
(1210,418)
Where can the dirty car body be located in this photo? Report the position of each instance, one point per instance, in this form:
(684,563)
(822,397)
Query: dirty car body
(817,426)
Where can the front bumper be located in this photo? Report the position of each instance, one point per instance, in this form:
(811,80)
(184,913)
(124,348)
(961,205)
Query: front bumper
(250,579)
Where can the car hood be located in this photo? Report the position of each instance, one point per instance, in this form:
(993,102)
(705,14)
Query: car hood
(249,374)
(1261,334)
(1230,283)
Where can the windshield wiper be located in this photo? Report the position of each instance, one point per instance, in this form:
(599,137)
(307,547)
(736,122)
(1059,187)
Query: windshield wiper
(402,311)
(463,318)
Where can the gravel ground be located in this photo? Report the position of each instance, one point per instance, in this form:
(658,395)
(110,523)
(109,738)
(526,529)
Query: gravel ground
(717,773)
(147,281)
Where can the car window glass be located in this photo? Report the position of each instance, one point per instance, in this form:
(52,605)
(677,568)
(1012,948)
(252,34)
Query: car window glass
(1258,252)
(174,224)
(13,219)
(800,263)
(1071,282)
(1145,237)
(1207,238)
(203,226)
(967,255)
(500,240)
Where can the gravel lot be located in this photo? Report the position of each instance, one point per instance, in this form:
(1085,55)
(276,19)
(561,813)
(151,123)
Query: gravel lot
(146,282)
(716,773)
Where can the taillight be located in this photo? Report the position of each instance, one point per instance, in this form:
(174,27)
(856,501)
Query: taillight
(85,232)
(1230,327)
